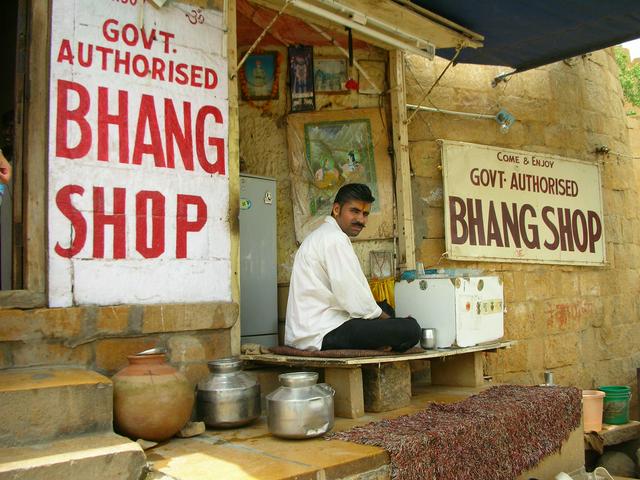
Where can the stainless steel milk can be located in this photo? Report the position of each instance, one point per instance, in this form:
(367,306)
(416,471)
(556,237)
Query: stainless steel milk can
(228,397)
(300,408)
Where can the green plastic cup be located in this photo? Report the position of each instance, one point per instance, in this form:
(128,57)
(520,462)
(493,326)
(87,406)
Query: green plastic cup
(616,404)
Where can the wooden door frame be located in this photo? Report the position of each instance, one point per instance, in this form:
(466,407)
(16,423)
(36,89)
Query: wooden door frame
(32,114)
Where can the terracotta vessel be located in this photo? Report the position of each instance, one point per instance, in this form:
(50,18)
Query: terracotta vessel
(151,399)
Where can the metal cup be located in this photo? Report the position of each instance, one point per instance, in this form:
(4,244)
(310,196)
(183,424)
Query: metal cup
(428,338)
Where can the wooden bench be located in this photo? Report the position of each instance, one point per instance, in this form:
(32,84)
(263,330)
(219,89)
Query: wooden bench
(461,367)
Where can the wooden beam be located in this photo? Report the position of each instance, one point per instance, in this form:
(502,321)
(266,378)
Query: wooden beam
(234,171)
(22,299)
(352,362)
(35,155)
(308,18)
(404,204)
(409,21)
(404,19)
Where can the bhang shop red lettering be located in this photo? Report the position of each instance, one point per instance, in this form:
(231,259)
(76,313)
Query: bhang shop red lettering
(176,130)
(146,201)
(109,59)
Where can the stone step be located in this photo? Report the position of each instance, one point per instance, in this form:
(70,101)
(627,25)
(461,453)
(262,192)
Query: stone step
(38,405)
(103,456)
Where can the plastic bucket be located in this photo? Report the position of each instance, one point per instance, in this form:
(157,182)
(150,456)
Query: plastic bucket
(616,404)
(592,405)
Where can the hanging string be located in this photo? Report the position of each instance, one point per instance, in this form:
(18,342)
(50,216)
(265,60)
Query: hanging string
(458,50)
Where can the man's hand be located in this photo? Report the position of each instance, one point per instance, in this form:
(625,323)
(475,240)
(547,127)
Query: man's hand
(384,316)
(5,169)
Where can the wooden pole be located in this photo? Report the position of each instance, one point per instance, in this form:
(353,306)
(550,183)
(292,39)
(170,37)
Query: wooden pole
(404,205)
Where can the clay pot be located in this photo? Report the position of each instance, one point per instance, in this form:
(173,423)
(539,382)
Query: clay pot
(151,399)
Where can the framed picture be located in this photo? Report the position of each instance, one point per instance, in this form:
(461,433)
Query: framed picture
(330,148)
(259,76)
(301,78)
(330,75)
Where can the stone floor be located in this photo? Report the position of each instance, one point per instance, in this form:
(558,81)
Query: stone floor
(251,453)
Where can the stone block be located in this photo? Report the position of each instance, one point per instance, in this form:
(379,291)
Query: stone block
(567,314)
(111,353)
(518,320)
(97,457)
(517,358)
(113,319)
(348,384)
(571,375)
(526,109)
(464,370)
(427,192)
(181,317)
(430,251)
(38,405)
(216,344)
(29,325)
(185,348)
(424,156)
(5,357)
(386,386)
(35,354)
(561,350)
(516,378)
(535,353)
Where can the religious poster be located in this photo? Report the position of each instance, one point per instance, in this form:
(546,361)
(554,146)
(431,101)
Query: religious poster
(301,78)
(518,206)
(138,178)
(332,148)
(259,76)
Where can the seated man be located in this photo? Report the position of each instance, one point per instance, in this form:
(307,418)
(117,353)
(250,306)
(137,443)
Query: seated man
(330,304)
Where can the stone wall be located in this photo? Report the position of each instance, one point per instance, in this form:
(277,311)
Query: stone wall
(100,338)
(582,323)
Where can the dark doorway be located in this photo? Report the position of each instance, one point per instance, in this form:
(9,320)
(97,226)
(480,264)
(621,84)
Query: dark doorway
(12,60)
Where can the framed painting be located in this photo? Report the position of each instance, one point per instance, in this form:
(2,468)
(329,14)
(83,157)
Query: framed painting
(330,75)
(331,148)
(259,76)
(301,78)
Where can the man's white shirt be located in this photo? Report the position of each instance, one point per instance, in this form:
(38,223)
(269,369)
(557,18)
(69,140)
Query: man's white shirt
(327,288)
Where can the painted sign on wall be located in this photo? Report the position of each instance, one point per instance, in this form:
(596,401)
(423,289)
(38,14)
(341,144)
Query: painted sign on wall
(138,184)
(516,206)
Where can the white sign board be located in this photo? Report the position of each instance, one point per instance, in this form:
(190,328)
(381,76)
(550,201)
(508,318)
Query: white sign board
(138,128)
(516,206)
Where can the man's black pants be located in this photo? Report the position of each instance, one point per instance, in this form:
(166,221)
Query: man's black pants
(398,333)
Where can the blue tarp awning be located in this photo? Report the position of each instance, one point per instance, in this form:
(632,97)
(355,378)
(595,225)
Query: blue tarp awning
(525,34)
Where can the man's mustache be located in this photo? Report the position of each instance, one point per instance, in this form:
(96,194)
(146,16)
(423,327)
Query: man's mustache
(358,224)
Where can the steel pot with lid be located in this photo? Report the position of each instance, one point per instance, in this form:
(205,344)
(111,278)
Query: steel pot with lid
(300,408)
(228,397)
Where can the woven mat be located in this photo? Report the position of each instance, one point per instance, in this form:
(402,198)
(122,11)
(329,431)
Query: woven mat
(294,352)
(497,434)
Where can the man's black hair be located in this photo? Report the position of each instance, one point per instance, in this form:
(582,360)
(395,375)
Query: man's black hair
(354,191)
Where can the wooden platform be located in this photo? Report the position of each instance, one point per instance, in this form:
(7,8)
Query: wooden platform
(351,362)
(611,435)
(459,367)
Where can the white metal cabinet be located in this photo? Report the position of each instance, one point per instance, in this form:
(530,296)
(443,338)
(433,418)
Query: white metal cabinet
(465,311)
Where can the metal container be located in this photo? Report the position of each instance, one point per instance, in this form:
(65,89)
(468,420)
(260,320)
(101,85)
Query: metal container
(228,397)
(300,408)
(428,338)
